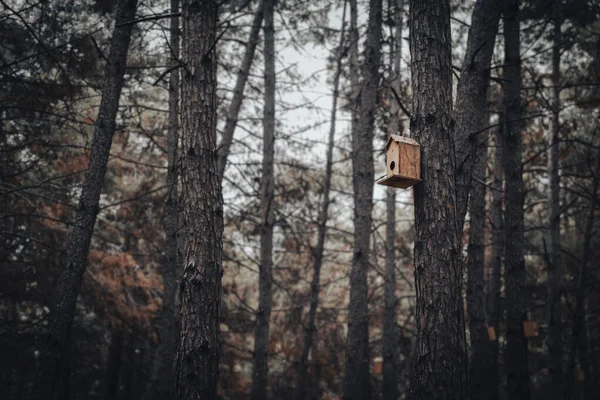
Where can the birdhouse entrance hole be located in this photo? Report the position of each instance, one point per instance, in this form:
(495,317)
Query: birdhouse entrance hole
(403,162)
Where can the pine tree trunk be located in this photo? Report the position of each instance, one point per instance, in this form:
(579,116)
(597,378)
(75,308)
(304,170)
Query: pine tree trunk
(356,379)
(472,118)
(580,328)
(516,358)
(55,365)
(318,251)
(238,92)
(494,295)
(113,365)
(555,349)
(260,360)
(482,352)
(197,363)
(161,382)
(440,363)
(472,99)
(390,340)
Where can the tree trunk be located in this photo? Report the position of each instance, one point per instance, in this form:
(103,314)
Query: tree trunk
(472,118)
(113,365)
(55,366)
(260,360)
(494,295)
(238,92)
(580,333)
(390,340)
(516,359)
(160,384)
(555,349)
(482,352)
(197,364)
(356,379)
(472,99)
(322,229)
(440,363)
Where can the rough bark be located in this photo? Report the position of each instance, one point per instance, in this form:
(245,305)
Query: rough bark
(390,356)
(555,348)
(356,379)
(238,92)
(471,98)
(318,250)
(516,358)
(55,366)
(494,295)
(197,362)
(440,362)
(260,359)
(160,385)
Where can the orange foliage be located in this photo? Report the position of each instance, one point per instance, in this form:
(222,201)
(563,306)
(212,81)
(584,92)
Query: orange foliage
(124,290)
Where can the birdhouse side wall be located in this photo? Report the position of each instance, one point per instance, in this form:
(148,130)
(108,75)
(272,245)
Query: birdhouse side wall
(409,161)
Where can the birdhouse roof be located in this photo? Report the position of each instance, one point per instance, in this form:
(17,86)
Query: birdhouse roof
(400,139)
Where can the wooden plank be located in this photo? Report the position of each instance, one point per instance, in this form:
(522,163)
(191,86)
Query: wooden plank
(397,181)
(410,161)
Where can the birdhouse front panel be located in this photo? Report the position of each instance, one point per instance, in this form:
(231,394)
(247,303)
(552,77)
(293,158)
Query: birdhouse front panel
(530,328)
(403,162)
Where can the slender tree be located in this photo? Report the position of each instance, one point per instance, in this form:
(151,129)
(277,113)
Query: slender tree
(197,363)
(440,363)
(471,116)
(494,295)
(356,379)
(554,251)
(318,250)
(160,385)
(55,366)
(390,356)
(580,335)
(471,99)
(238,91)
(260,359)
(516,363)
(482,360)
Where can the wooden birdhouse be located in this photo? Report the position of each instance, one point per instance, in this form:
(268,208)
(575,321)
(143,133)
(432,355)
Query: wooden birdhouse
(403,162)
(491,333)
(377,365)
(530,328)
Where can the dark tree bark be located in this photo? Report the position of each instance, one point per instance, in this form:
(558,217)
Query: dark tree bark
(356,379)
(472,118)
(113,365)
(555,348)
(580,329)
(238,92)
(161,382)
(494,295)
(482,352)
(471,100)
(440,363)
(260,359)
(318,250)
(516,359)
(390,340)
(197,364)
(55,365)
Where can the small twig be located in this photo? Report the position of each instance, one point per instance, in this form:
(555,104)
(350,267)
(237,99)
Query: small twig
(149,18)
